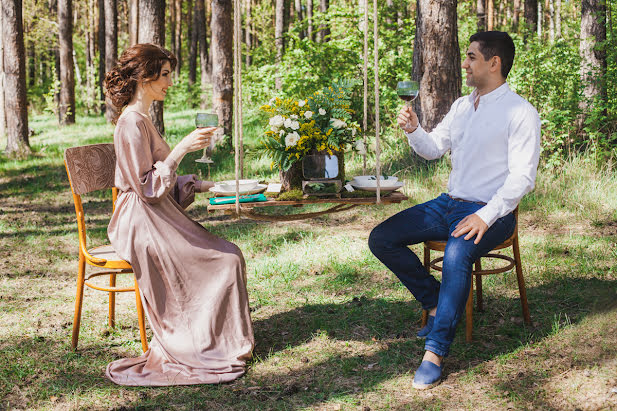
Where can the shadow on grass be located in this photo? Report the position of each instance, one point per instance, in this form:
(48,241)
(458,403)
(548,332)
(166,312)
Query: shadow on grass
(385,325)
(33,180)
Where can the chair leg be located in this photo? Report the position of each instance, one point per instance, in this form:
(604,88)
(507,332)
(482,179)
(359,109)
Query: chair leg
(427,265)
(112,301)
(479,301)
(141,319)
(469,314)
(521,281)
(81,274)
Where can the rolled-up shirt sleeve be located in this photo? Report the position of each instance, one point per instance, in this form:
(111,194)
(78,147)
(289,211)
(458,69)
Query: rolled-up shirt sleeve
(523,157)
(151,180)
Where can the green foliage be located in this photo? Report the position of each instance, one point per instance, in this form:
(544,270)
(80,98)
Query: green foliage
(183,95)
(51,105)
(547,76)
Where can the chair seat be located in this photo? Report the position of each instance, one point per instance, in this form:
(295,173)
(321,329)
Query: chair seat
(108,253)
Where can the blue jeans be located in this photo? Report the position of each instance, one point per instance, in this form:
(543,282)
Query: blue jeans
(436,220)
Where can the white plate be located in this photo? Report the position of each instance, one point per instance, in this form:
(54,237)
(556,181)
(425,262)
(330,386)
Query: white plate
(393,187)
(230,185)
(218,190)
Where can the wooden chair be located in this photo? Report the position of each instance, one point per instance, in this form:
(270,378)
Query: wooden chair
(478,272)
(91,168)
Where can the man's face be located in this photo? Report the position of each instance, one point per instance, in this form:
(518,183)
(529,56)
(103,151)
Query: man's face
(476,67)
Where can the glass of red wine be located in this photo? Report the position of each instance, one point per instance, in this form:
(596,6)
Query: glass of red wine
(408,90)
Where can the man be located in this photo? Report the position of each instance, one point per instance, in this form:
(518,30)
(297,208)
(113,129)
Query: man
(493,136)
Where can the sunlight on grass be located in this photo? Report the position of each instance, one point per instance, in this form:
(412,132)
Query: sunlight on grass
(334,328)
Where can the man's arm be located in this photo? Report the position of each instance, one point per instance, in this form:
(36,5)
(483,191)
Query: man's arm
(431,145)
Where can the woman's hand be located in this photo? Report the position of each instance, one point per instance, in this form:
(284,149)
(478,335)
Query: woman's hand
(197,139)
(407,119)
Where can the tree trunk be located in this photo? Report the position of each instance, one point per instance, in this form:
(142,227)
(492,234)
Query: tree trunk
(436,45)
(515,15)
(111,46)
(279,43)
(248,31)
(481,14)
(90,69)
(188,21)
(593,57)
(178,36)
(152,30)
(551,20)
(101,42)
(204,51)
(531,15)
(324,31)
(16,104)
(133,22)
(31,63)
(299,16)
(490,14)
(309,16)
(557,19)
(66,106)
(222,63)
(195,37)
(172,26)
(539,19)
(2,80)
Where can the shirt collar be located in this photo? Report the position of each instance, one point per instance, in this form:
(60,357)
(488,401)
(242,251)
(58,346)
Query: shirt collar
(492,96)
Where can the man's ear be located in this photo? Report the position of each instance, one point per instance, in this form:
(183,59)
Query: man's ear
(496,64)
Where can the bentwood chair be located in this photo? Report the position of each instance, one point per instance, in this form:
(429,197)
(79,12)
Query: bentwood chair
(478,272)
(91,168)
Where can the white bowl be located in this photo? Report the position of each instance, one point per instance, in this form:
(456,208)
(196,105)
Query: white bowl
(230,185)
(371,181)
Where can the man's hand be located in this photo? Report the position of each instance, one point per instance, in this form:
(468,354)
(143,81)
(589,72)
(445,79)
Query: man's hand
(473,225)
(407,119)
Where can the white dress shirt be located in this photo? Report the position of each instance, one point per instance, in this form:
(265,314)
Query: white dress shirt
(494,149)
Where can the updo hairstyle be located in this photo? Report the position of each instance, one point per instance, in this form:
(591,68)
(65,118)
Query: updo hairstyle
(141,62)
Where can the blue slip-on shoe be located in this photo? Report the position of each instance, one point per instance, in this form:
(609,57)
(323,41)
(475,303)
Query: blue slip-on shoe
(427,375)
(424,331)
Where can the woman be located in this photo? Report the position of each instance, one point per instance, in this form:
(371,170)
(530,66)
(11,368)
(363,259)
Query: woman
(193,283)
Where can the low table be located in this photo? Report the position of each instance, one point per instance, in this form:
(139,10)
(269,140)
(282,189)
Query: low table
(340,204)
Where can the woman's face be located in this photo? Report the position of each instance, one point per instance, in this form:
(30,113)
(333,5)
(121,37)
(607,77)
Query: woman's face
(157,89)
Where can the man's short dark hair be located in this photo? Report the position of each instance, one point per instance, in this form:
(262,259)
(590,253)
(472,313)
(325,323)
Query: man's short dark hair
(496,43)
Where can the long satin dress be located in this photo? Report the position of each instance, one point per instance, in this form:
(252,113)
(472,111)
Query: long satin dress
(193,283)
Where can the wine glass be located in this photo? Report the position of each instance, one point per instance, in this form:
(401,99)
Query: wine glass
(408,91)
(206,120)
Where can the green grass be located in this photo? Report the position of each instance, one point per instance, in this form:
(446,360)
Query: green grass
(334,329)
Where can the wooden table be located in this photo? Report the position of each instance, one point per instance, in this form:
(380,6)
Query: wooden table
(340,204)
